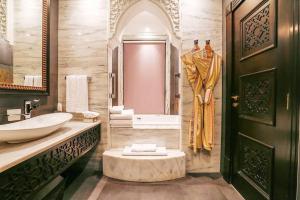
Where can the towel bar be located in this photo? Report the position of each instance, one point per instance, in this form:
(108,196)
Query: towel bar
(25,77)
(89,78)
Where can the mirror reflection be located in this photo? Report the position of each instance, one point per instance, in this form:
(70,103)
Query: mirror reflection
(21,42)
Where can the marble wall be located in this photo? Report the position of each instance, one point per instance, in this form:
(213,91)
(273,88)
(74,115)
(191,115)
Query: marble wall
(48,103)
(201,20)
(21,25)
(121,137)
(82,36)
(27,38)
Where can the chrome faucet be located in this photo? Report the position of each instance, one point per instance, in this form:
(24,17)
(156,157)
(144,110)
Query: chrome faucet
(29,106)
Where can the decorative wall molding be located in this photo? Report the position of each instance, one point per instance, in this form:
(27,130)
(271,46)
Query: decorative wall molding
(119,7)
(3,20)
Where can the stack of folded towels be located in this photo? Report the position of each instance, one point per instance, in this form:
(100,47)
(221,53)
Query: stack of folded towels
(120,117)
(144,150)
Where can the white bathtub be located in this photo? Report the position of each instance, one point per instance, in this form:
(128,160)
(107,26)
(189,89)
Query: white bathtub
(157,121)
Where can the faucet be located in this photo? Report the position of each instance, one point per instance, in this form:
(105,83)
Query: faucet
(29,106)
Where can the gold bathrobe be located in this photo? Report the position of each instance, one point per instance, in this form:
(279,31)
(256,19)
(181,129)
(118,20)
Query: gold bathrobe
(202,73)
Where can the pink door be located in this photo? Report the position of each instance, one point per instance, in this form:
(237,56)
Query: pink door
(144,77)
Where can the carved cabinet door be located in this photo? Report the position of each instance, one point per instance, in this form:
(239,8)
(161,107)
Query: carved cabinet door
(260,113)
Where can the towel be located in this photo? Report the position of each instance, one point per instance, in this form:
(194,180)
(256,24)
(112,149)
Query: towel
(77,93)
(121,122)
(37,81)
(161,151)
(126,114)
(121,125)
(116,109)
(28,80)
(143,148)
(90,114)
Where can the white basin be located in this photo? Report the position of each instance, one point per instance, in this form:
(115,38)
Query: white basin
(34,128)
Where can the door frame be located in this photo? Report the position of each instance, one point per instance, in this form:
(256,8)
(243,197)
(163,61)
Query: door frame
(227,137)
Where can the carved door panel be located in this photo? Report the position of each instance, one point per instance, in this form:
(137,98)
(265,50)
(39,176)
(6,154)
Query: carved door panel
(260,92)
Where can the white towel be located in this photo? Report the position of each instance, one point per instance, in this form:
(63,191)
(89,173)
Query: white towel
(121,122)
(121,125)
(77,93)
(143,148)
(37,81)
(126,114)
(28,80)
(90,114)
(161,151)
(116,109)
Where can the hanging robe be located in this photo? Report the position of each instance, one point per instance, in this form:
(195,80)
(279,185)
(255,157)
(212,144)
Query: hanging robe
(203,72)
(195,127)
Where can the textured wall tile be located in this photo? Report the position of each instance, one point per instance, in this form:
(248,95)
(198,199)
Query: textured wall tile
(201,20)
(83,50)
(122,137)
(27,40)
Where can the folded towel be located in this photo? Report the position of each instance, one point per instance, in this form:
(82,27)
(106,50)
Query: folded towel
(77,93)
(160,151)
(116,109)
(28,80)
(90,115)
(121,122)
(143,148)
(121,125)
(37,81)
(126,114)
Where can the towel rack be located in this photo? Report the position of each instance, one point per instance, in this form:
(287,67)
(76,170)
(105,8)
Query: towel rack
(89,78)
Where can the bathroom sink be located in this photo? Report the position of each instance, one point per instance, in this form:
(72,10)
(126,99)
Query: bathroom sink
(34,128)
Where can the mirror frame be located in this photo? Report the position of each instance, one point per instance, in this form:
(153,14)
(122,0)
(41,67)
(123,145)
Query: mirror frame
(44,90)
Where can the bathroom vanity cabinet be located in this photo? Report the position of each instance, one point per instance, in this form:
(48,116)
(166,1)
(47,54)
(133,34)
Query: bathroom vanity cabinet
(34,170)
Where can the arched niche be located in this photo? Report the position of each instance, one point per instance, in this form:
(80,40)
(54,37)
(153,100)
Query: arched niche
(126,11)
(142,20)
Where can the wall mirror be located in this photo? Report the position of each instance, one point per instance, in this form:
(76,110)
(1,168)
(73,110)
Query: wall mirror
(24,45)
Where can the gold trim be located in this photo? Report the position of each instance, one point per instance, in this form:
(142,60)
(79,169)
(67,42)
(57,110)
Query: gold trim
(44,88)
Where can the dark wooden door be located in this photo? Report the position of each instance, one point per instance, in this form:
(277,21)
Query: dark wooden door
(260,113)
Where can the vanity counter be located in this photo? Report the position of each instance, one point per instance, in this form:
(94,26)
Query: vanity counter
(14,154)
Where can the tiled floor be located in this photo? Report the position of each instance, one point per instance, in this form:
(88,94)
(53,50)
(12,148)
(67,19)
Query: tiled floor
(190,188)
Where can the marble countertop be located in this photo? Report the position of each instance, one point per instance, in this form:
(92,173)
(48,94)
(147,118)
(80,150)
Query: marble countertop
(14,154)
